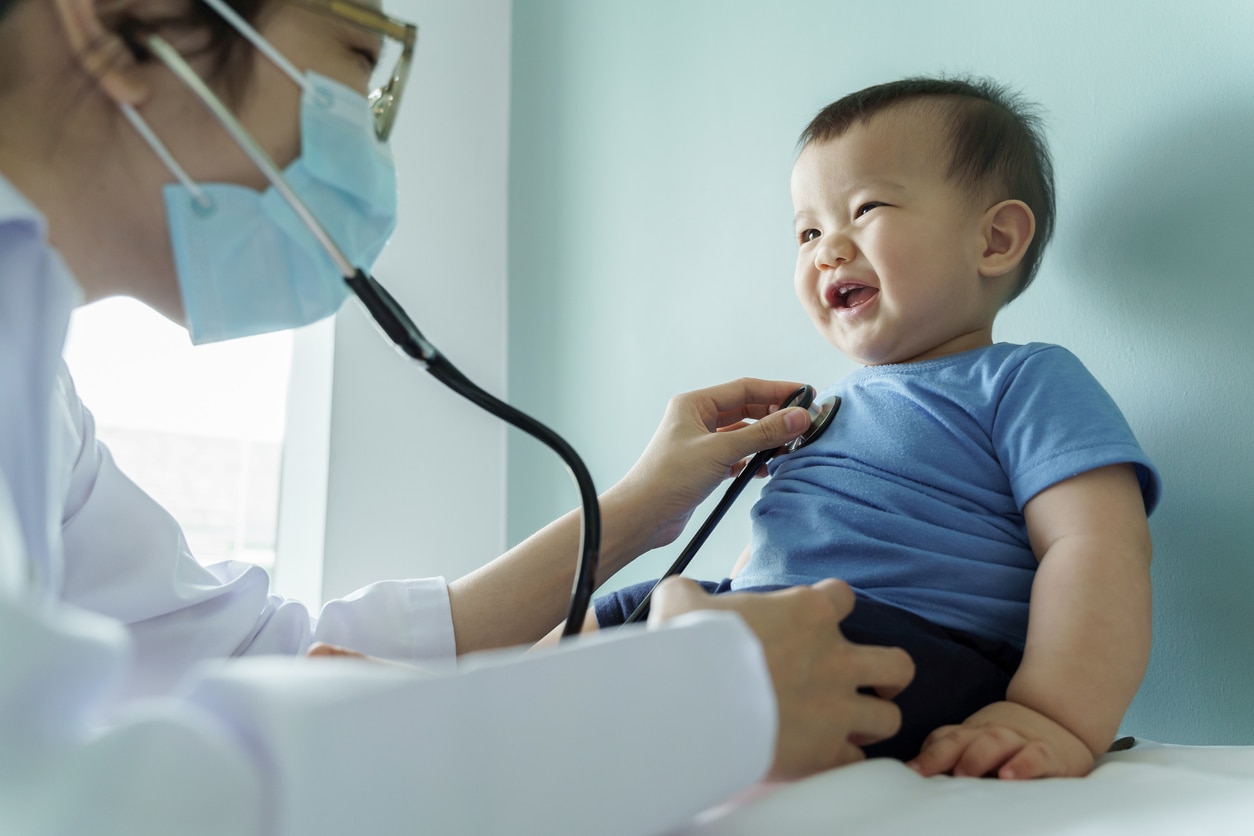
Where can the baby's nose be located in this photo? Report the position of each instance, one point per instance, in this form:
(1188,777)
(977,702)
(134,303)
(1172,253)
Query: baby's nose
(832,251)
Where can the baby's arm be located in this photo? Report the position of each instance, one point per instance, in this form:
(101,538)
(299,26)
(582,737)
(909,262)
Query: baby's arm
(1088,638)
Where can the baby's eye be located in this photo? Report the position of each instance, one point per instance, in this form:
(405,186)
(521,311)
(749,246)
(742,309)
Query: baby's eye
(866,207)
(807,235)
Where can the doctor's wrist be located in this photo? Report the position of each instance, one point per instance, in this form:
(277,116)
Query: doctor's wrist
(631,524)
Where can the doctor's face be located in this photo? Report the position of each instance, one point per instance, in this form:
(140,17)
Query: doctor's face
(266,101)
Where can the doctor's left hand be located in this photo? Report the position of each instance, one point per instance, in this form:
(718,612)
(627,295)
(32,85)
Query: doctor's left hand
(832,696)
(704,438)
(326,651)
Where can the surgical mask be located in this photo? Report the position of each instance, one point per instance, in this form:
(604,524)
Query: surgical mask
(247,262)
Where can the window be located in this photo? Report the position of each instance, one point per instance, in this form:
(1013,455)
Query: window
(198,428)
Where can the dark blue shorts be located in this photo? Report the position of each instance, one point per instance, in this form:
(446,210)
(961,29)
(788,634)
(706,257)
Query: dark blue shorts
(956,674)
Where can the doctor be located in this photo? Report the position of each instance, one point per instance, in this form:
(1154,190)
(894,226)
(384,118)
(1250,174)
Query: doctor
(117,711)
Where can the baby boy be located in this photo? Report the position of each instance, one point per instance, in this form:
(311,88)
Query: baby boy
(987,501)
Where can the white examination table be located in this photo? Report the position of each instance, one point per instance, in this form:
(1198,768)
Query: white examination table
(1148,790)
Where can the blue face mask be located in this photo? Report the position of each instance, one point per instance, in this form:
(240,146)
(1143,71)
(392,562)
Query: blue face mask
(246,261)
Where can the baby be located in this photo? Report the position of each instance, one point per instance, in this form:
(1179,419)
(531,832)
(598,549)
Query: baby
(962,479)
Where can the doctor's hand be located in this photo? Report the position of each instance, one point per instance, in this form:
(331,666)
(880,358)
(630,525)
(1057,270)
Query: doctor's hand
(824,719)
(705,437)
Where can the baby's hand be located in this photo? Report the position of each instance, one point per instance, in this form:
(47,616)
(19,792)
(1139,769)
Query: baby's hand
(1008,740)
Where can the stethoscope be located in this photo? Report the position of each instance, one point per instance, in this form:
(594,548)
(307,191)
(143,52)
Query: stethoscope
(404,334)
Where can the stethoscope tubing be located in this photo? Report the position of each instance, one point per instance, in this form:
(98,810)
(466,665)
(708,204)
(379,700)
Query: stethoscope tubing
(711,522)
(404,334)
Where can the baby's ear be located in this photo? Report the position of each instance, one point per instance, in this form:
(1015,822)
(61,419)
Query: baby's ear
(1008,228)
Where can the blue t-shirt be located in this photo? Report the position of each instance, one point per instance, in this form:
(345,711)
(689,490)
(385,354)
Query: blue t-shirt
(915,494)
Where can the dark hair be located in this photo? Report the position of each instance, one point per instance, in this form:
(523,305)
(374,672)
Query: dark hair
(995,139)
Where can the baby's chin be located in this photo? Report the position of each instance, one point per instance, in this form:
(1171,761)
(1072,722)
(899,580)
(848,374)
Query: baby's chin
(881,356)
(860,353)
(898,345)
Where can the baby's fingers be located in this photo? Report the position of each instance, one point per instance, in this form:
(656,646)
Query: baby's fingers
(1035,760)
(988,751)
(942,750)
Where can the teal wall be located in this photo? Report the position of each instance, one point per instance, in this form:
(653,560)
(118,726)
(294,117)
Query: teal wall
(651,251)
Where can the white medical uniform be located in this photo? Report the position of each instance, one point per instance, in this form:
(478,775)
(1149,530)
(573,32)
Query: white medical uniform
(119,715)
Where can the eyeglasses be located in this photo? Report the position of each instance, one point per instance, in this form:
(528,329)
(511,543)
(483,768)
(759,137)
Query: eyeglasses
(394,60)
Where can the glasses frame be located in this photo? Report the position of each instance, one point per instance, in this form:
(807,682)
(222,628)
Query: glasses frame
(385,101)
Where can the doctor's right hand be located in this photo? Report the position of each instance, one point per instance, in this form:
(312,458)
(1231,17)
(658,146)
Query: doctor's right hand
(705,437)
(824,716)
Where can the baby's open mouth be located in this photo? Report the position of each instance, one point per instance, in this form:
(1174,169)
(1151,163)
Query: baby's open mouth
(848,295)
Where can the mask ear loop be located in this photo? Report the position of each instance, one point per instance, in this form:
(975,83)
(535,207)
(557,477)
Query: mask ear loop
(203,203)
(132,37)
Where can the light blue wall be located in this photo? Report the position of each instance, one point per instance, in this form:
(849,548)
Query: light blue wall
(651,251)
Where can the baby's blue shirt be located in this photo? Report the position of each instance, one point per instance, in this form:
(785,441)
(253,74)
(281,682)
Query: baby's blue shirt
(915,494)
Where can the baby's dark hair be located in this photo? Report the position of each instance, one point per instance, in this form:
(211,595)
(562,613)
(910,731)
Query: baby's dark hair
(995,138)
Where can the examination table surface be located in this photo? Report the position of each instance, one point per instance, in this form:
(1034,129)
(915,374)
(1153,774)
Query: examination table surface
(1147,790)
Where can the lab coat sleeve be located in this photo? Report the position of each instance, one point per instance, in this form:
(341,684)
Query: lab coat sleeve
(168,767)
(125,557)
(625,734)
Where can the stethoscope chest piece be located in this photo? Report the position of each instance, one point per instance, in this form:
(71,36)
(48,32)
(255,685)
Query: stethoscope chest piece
(821,414)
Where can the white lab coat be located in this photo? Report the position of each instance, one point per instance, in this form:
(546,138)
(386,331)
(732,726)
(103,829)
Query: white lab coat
(121,714)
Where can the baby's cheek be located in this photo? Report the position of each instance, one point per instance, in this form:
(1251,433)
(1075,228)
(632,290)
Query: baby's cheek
(807,293)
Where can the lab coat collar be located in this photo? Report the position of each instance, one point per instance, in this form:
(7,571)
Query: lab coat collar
(37,295)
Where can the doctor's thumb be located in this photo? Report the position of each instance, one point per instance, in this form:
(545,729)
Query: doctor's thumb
(774,430)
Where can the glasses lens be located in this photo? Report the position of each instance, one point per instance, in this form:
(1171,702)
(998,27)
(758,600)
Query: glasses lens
(388,84)
(385,69)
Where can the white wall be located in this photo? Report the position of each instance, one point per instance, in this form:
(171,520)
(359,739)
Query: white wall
(651,250)
(414,477)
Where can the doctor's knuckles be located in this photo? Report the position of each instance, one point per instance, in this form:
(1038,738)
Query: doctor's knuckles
(818,676)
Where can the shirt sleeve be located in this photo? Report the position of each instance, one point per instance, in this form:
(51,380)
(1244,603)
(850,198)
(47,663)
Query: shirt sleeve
(125,557)
(1055,421)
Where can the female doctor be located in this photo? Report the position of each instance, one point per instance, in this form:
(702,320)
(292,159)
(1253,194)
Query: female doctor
(117,713)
